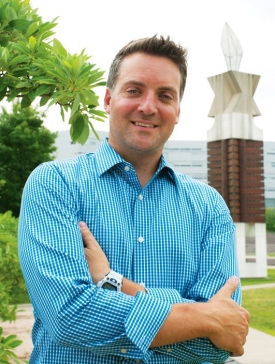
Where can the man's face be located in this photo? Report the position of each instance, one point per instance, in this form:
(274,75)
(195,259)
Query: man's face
(144,105)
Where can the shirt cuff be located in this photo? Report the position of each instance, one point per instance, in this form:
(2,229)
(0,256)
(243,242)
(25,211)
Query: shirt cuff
(169,295)
(142,328)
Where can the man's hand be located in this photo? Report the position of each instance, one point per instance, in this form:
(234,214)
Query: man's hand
(220,319)
(95,256)
(229,321)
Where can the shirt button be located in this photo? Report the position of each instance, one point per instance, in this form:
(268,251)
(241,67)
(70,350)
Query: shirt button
(140,197)
(169,350)
(124,351)
(127,168)
(141,239)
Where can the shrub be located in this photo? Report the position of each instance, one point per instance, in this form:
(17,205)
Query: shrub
(11,283)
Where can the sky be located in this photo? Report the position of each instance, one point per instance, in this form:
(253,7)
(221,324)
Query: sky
(103,27)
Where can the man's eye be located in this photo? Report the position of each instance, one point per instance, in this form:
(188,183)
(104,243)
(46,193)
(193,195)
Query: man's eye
(166,96)
(132,91)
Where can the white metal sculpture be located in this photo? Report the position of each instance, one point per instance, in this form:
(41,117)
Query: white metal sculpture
(232,49)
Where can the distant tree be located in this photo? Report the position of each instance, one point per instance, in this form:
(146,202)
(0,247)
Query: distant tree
(24,144)
(270,219)
(35,66)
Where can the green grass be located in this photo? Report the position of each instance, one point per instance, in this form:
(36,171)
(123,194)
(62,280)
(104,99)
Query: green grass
(269,279)
(260,303)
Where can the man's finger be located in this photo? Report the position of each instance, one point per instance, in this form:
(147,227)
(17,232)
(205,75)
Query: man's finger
(229,288)
(86,234)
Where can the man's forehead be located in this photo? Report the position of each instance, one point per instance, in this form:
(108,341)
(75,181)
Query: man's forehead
(145,66)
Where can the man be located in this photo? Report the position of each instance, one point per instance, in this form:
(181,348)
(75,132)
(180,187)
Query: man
(158,289)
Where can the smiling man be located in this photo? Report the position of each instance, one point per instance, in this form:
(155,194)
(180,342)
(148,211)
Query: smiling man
(158,284)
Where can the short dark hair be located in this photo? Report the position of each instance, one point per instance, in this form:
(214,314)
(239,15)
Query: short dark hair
(156,46)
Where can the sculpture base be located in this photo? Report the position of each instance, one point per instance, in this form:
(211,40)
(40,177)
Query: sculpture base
(255,265)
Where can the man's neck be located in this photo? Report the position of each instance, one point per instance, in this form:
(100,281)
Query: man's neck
(144,163)
(145,169)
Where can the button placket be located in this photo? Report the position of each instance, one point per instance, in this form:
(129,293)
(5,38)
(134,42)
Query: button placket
(140,197)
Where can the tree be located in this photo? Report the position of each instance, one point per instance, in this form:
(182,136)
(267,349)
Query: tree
(270,219)
(33,65)
(24,144)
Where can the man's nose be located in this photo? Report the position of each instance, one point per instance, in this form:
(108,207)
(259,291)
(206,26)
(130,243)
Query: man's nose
(148,103)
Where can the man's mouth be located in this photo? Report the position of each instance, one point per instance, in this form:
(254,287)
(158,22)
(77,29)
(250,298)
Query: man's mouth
(144,125)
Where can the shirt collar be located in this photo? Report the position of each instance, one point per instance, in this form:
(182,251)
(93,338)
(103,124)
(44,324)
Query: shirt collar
(107,158)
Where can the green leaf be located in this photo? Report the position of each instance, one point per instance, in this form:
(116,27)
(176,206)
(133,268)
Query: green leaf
(3,93)
(9,339)
(60,73)
(31,29)
(67,64)
(4,39)
(32,42)
(45,35)
(23,84)
(12,94)
(3,11)
(77,128)
(62,113)
(58,48)
(42,90)
(56,97)
(19,24)
(91,98)
(94,131)
(96,77)
(2,350)
(18,59)
(98,113)
(44,100)
(31,94)
(21,47)
(75,105)
(25,102)
(15,344)
(45,80)
(3,361)
(85,132)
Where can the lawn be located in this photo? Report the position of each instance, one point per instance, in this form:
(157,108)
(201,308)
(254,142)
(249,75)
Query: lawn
(261,305)
(269,279)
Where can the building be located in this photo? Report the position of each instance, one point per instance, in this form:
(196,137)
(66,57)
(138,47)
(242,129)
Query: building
(185,156)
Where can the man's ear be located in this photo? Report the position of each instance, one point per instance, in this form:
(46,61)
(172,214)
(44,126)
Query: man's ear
(107,101)
(178,117)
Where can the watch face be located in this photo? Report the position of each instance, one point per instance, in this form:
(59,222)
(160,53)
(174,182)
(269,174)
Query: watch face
(109,286)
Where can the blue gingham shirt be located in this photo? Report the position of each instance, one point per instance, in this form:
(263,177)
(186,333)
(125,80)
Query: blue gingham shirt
(175,235)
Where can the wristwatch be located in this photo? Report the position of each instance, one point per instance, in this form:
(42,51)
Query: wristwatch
(112,281)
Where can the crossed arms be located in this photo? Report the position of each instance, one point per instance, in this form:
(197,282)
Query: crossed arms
(220,319)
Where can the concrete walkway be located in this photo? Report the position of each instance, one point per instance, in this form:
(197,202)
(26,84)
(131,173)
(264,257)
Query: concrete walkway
(259,349)
(257,286)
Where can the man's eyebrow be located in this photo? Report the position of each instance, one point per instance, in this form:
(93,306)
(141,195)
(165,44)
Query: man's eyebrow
(167,88)
(136,83)
(141,84)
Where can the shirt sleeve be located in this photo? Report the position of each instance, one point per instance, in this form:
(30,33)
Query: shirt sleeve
(73,311)
(218,263)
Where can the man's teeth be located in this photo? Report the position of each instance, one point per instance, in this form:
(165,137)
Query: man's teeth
(145,125)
